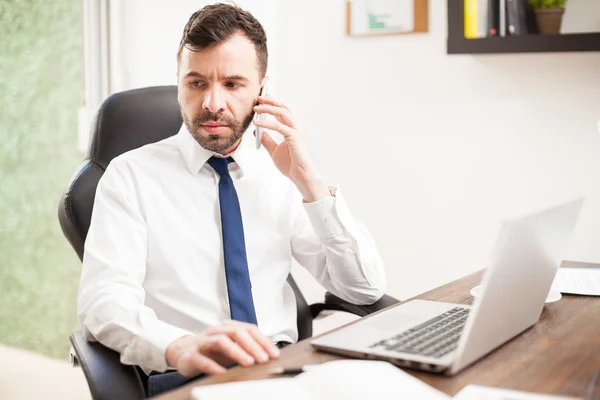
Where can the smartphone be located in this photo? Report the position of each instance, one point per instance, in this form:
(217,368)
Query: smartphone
(262,116)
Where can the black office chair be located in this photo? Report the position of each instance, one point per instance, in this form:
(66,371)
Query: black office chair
(126,121)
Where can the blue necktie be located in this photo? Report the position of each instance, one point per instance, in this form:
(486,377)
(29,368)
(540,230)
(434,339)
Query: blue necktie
(239,289)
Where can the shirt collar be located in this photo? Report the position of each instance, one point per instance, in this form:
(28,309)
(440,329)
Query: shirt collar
(196,156)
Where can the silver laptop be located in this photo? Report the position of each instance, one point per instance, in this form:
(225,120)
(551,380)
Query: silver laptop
(444,337)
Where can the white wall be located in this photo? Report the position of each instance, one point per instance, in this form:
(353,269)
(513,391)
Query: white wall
(430,150)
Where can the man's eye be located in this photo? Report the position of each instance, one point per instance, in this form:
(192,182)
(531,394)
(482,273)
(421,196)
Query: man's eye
(232,85)
(196,83)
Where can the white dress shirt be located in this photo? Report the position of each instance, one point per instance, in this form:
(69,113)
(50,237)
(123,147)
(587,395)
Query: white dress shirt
(153,267)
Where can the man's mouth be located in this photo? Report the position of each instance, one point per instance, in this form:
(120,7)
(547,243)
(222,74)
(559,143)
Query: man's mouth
(214,127)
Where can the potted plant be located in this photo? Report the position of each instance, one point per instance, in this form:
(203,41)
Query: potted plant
(548,14)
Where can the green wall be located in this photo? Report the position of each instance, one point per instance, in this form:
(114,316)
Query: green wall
(41,83)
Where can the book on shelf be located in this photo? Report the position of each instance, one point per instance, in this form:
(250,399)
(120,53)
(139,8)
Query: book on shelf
(470,11)
(488,18)
(516,17)
(493,18)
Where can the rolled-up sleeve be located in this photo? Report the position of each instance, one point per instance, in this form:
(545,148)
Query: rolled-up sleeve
(110,301)
(338,250)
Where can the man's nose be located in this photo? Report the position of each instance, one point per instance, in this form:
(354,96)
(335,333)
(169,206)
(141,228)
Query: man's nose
(213,101)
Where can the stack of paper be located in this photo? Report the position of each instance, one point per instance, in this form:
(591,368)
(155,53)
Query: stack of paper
(584,281)
(345,379)
(475,392)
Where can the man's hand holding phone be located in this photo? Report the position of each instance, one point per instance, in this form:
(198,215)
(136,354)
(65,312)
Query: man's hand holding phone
(292,156)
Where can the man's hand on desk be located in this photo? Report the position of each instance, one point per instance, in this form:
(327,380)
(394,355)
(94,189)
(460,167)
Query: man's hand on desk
(218,347)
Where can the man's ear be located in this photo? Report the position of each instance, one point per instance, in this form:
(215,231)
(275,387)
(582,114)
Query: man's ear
(264,81)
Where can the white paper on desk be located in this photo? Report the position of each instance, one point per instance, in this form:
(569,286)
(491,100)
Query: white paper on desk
(345,379)
(476,392)
(583,281)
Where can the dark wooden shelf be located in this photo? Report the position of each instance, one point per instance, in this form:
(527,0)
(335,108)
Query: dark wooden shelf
(458,44)
(526,44)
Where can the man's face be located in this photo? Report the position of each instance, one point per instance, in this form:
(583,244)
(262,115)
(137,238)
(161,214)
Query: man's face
(217,89)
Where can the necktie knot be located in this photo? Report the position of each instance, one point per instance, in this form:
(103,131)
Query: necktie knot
(220,164)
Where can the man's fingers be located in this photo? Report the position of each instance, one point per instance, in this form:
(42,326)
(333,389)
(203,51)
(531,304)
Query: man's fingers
(264,341)
(241,335)
(268,142)
(282,114)
(203,364)
(248,331)
(222,344)
(248,343)
(285,130)
(271,101)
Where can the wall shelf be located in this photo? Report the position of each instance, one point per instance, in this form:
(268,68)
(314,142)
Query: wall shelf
(458,44)
(525,44)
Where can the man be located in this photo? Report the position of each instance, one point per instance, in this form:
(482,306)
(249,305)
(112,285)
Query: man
(192,238)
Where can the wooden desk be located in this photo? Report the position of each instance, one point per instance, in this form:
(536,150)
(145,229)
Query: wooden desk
(558,355)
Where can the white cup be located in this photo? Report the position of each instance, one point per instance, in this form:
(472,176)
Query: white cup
(553,295)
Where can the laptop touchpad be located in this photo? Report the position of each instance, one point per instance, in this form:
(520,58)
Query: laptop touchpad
(395,321)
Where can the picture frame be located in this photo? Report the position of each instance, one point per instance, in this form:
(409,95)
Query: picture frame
(386,17)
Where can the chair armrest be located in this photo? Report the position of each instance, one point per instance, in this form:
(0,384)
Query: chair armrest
(332,302)
(106,376)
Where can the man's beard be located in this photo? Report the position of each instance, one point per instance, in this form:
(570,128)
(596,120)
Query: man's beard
(220,142)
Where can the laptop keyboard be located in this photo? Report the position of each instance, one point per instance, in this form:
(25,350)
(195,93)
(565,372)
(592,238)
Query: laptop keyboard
(433,338)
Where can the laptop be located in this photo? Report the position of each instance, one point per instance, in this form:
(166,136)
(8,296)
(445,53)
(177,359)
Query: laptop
(446,338)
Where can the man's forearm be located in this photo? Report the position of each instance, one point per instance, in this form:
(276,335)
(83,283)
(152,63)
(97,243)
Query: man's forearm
(314,189)
(343,255)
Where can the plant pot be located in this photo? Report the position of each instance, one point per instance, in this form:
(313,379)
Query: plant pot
(548,20)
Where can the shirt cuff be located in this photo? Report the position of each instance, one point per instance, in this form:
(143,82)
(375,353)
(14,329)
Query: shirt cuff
(163,335)
(323,217)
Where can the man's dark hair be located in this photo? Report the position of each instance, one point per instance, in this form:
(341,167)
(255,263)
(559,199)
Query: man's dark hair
(217,23)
